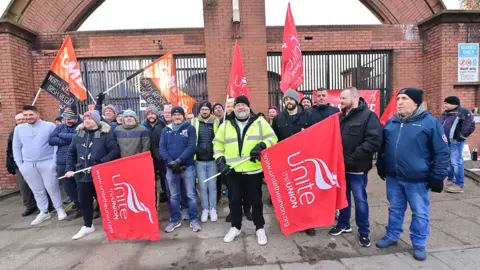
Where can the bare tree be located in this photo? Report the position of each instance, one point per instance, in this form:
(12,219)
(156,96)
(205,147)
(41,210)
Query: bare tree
(470,4)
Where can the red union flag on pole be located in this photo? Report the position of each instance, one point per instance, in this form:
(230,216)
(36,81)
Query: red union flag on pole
(390,110)
(126,195)
(292,62)
(238,81)
(307,181)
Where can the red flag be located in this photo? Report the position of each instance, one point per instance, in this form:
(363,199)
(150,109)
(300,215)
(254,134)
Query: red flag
(371,97)
(292,62)
(126,195)
(390,110)
(238,81)
(307,181)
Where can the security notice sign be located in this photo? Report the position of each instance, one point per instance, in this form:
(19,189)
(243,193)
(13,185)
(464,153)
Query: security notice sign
(468,62)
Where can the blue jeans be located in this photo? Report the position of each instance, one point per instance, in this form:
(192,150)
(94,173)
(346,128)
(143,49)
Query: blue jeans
(417,195)
(208,190)
(455,172)
(356,184)
(173,181)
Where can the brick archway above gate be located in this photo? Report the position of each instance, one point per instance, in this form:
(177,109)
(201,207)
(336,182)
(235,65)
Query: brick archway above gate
(60,16)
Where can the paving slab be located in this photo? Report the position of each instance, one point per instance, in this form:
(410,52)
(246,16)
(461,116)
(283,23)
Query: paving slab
(278,250)
(257,267)
(462,229)
(431,263)
(436,239)
(59,258)
(208,253)
(390,262)
(323,265)
(125,256)
(19,258)
(460,259)
(166,254)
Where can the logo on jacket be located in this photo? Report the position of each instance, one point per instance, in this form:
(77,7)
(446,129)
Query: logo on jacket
(184,133)
(444,138)
(124,196)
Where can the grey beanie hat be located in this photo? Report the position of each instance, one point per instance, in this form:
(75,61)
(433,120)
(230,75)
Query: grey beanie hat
(151,109)
(94,115)
(131,113)
(292,94)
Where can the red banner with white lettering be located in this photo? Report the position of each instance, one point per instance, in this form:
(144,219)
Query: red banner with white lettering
(371,97)
(307,181)
(126,195)
(390,110)
(292,63)
(238,81)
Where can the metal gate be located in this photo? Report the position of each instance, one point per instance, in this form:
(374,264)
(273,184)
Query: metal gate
(336,70)
(101,73)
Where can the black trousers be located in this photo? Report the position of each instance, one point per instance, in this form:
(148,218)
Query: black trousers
(69,185)
(245,188)
(86,192)
(27,195)
(247,206)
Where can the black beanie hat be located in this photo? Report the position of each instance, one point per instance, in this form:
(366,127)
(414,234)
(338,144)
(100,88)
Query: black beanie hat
(217,104)
(241,99)
(415,94)
(452,100)
(178,109)
(307,98)
(206,104)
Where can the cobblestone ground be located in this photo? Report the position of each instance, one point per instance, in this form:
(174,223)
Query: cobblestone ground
(453,244)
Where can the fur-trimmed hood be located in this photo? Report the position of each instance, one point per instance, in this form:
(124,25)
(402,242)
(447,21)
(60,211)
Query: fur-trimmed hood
(105,128)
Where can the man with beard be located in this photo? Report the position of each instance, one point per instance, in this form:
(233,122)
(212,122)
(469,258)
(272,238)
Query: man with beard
(109,112)
(323,109)
(243,135)
(206,125)
(155,126)
(61,137)
(132,137)
(291,121)
(361,138)
(306,103)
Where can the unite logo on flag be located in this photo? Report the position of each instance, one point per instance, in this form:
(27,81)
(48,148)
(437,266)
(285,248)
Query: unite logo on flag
(307,183)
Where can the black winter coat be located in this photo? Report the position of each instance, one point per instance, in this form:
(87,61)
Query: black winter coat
(361,138)
(155,135)
(285,125)
(10,161)
(90,148)
(320,112)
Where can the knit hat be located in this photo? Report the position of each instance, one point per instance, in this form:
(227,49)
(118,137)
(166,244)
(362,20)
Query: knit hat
(151,109)
(414,94)
(131,113)
(69,114)
(452,100)
(306,98)
(120,112)
(274,108)
(110,107)
(178,109)
(94,115)
(241,99)
(292,94)
(206,104)
(59,119)
(218,104)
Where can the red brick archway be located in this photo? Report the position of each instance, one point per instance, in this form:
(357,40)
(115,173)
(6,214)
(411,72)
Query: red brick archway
(61,16)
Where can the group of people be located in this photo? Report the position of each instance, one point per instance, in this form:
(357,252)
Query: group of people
(414,158)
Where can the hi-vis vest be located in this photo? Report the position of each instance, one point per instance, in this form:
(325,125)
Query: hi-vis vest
(226,143)
(196,124)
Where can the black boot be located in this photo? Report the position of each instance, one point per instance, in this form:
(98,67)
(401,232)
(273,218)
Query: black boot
(310,232)
(228,219)
(74,215)
(248,215)
(28,212)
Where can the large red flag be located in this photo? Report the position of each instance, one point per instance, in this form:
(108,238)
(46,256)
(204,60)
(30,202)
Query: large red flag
(126,195)
(292,62)
(390,110)
(238,81)
(307,181)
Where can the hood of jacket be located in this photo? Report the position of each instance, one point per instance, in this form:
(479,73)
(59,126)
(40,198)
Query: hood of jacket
(183,125)
(104,127)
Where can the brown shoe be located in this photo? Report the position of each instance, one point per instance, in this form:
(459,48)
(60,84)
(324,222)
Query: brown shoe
(454,189)
(448,183)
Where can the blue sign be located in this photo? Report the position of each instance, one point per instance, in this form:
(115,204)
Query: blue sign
(468,50)
(468,62)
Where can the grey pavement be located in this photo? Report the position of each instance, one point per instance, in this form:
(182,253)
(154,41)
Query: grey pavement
(454,241)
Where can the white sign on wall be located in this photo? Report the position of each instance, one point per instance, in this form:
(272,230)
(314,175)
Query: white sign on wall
(467,62)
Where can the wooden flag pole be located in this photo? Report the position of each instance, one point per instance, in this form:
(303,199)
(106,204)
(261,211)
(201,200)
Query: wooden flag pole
(36,96)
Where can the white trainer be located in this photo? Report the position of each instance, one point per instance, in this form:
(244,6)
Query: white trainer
(213,215)
(204,216)
(261,237)
(41,218)
(84,231)
(61,214)
(232,233)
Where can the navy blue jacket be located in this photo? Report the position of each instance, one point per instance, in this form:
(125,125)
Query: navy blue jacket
(91,148)
(415,150)
(458,124)
(62,137)
(155,134)
(321,112)
(179,144)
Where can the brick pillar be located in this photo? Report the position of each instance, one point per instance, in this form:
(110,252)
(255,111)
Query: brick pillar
(219,44)
(16,85)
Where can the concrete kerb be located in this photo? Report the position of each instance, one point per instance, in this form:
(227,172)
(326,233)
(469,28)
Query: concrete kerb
(5,194)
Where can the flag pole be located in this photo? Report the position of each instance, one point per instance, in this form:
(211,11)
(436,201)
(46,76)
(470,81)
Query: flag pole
(75,172)
(36,96)
(235,165)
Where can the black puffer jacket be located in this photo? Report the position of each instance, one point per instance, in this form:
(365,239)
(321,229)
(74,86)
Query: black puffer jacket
(320,112)
(361,137)
(155,135)
(285,125)
(205,136)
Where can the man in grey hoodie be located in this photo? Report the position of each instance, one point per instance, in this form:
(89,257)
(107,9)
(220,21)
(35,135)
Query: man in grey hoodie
(35,159)
(132,137)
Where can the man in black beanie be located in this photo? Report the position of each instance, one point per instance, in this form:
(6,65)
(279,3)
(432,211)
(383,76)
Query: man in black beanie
(306,103)
(414,159)
(458,124)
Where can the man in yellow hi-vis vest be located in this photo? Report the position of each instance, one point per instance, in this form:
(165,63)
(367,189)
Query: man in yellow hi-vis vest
(243,136)
(206,125)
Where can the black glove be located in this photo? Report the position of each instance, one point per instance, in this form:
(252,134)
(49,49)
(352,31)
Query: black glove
(100,98)
(435,185)
(174,165)
(255,153)
(11,169)
(222,166)
(382,174)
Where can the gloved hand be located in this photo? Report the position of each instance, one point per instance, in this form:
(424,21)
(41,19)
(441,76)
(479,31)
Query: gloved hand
(382,174)
(11,169)
(435,185)
(174,165)
(100,98)
(222,166)
(255,153)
